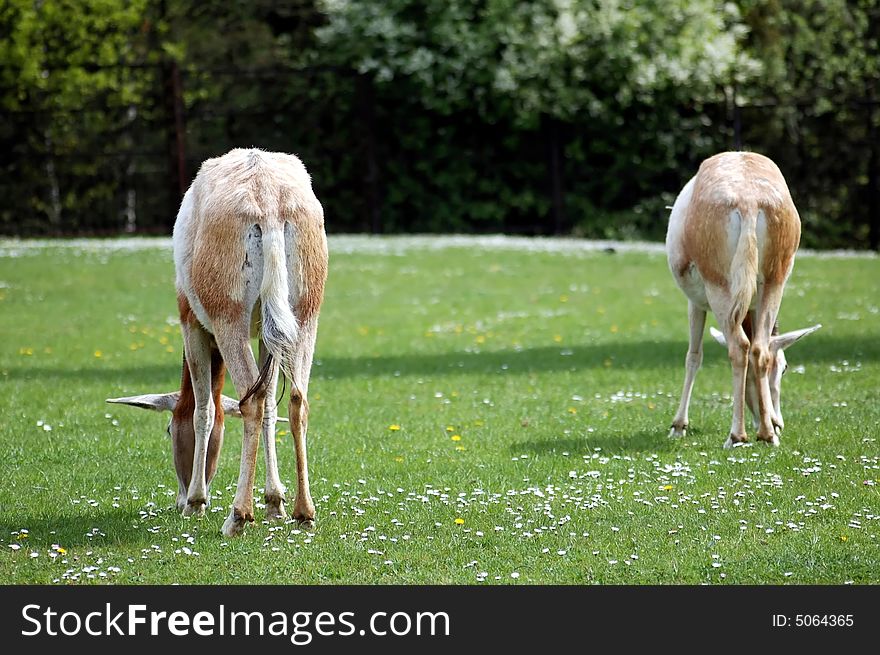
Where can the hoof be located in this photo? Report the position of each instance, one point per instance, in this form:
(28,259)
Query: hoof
(772,434)
(196,508)
(677,431)
(275,510)
(235,522)
(734,440)
(304,513)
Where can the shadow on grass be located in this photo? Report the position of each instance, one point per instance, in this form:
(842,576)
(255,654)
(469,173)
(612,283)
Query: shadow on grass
(624,355)
(631,355)
(640,354)
(154,375)
(93,528)
(611,442)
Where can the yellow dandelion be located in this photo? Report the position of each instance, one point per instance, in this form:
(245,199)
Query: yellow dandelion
(563,298)
(60,550)
(843,537)
(480,339)
(169,349)
(572,410)
(394,427)
(449,428)
(666,487)
(460,448)
(459,521)
(133,346)
(456,437)
(98,354)
(398,459)
(613,329)
(557,338)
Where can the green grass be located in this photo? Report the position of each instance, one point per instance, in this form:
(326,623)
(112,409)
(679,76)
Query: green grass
(559,371)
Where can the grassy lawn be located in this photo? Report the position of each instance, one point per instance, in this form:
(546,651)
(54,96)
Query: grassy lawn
(479,414)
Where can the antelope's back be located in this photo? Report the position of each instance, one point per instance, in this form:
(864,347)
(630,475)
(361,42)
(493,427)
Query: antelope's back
(218,232)
(735,191)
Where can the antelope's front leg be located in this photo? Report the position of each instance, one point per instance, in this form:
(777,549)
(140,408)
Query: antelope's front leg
(198,358)
(693,361)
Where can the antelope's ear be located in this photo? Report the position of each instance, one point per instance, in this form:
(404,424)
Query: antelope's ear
(718,336)
(783,341)
(159,402)
(162,402)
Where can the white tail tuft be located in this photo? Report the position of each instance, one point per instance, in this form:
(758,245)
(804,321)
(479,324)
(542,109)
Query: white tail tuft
(280,330)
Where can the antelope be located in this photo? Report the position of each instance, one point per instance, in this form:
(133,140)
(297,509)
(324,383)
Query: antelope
(250,256)
(733,234)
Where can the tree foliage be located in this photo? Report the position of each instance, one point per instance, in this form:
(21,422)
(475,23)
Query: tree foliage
(562,58)
(821,85)
(573,116)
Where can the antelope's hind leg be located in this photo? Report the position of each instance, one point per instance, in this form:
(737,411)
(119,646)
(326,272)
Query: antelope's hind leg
(275,490)
(769,424)
(234,343)
(303,506)
(738,353)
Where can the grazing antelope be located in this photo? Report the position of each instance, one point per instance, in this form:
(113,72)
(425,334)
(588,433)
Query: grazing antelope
(250,256)
(733,233)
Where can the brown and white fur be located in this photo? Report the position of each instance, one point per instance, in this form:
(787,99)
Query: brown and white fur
(250,255)
(732,238)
